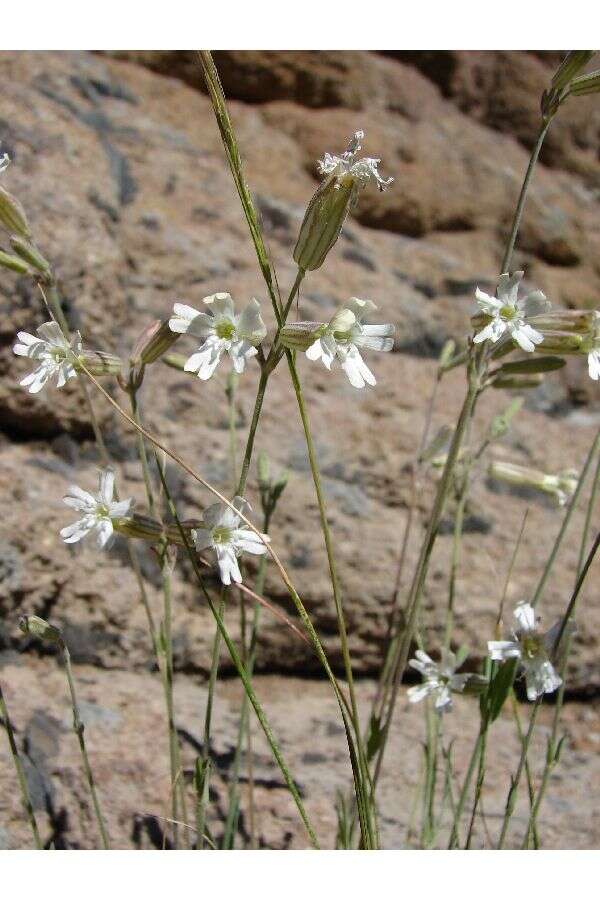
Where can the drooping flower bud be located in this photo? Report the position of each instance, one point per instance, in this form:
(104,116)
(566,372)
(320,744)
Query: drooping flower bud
(142,527)
(13,263)
(335,198)
(30,253)
(40,628)
(12,215)
(560,343)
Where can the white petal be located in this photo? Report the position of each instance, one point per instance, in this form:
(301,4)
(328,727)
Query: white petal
(250,324)
(228,565)
(206,359)
(360,308)
(314,351)
(106,483)
(501,650)
(419,692)
(212,515)
(524,616)
(594,364)
(221,304)
(486,302)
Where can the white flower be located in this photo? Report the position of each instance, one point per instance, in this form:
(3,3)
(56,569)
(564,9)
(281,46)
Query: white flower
(98,511)
(594,364)
(533,649)
(439,680)
(344,335)
(55,353)
(224,535)
(222,331)
(362,170)
(4,161)
(509,314)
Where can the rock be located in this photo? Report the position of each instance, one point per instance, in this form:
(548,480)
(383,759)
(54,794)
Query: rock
(123,176)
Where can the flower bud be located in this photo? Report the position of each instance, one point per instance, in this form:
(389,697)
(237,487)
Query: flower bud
(517,382)
(585,84)
(154,341)
(574,321)
(501,423)
(98,363)
(40,628)
(12,215)
(30,254)
(559,342)
(14,263)
(301,335)
(531,366)
(323,221)
(573,63)
(263,468)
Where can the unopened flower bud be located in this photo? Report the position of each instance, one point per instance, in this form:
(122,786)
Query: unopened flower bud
(560,343)
(14,263)
(30,253)
(585,84)
(573,63)
(531,366)
(501,423)
(301,335)
(574,321)
(446,354)
(517,382)
(154,341)
(12,215)
(40,628)
(98,363)
(263,468)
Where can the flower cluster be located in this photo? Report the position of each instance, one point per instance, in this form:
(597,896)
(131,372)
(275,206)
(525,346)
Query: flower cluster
(56,355)
(535,651)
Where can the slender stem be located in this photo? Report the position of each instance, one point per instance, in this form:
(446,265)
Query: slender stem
(78,728)
(212,681)
(243,674)
(314,467)
(258,403)
(167,636)
(588,516)
(462,799)
(566,519)
(425,556)
(506,261)
(514,787)
(142,454)
(23,787)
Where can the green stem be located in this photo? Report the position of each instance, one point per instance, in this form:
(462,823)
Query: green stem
(506,261)
(23,787)
(168,690)
(314,467)
(566,519)
(462,799)
(243,674)
(514,788)
(212,681)
(425,556)
(78,728)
